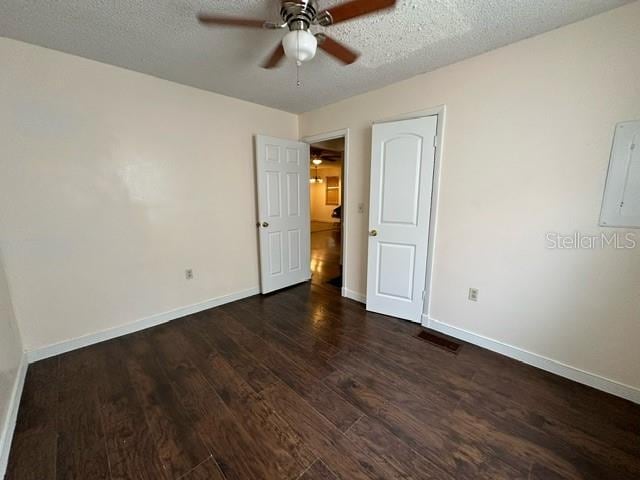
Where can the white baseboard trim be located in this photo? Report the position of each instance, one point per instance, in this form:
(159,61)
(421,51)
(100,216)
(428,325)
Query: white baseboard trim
(142,324)
(6,430)
(357,296)
(567,371)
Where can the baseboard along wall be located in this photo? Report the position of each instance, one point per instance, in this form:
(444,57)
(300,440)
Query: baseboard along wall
(548,364)
(142,324)
(6,432)
(544,363)
(353,295)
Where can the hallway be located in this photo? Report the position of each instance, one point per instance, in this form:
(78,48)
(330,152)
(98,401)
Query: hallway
(325,254)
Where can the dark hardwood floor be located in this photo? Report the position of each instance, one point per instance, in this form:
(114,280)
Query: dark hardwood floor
(325,253)
(304,384)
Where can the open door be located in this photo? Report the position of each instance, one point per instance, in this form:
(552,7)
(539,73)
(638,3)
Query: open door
(282,170)
(402,163)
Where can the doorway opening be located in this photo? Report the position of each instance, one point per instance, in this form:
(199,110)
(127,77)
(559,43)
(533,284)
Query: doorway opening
(326,199)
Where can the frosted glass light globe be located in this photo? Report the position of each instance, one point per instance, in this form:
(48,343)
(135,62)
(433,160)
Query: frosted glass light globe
(300,45)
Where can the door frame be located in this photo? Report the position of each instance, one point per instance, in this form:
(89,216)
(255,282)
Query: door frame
(439,111)
(321,137)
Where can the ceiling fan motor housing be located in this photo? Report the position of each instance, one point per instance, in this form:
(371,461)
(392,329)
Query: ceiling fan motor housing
(299,14)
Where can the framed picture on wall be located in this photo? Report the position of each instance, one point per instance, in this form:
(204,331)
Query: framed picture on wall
(333,191)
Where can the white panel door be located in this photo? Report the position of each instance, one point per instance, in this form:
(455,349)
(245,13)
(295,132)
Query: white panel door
(402,162)
(282,170)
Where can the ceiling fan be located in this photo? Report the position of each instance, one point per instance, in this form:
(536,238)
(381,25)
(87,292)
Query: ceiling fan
(298,16)
(325,155)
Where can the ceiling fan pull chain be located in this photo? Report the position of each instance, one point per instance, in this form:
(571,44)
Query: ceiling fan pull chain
(298,62)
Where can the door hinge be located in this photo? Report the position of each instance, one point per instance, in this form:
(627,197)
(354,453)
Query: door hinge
(424,294)
(435,142)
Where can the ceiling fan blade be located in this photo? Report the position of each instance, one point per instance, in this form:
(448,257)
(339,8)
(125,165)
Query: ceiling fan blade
(337,49)
(231,21)
(275,58)
(354,8)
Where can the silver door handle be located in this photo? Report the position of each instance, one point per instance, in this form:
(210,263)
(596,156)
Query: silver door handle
(373,233)
(265,224)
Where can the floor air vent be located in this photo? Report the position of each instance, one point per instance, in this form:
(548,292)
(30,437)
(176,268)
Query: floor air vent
(448,345)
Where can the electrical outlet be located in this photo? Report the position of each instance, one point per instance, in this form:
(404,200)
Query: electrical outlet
(188,274)
(473,294)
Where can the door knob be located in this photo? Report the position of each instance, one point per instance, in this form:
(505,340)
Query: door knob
(373,233)
(265,224)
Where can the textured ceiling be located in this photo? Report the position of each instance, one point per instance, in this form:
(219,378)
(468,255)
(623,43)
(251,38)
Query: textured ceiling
(163,38)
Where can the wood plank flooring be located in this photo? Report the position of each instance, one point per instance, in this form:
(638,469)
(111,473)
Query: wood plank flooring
(325,254)
(304,384)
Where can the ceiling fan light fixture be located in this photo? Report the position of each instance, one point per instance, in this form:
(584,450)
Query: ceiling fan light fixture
(300,45)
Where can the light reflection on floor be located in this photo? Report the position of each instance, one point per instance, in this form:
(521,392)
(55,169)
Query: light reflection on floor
(325,255)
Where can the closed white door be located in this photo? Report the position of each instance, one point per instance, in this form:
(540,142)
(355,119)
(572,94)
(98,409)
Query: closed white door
(282,168)
(402,163)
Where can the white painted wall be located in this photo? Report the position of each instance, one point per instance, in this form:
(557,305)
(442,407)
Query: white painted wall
(526,148)
(10,359)
(113,183)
